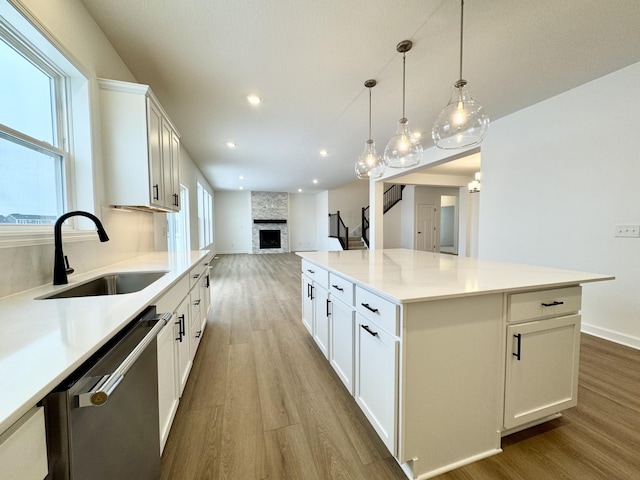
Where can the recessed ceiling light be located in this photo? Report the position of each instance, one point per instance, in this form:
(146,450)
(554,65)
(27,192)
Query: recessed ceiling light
(254,99)
(231,144)
(323,153)
(299,190)
(241,177)
(240,187)
(315,180)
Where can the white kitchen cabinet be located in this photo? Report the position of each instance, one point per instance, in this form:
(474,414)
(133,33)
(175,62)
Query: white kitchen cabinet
(307,303)
(341,339)
(321,316)
(376,378)
(23,448)
(168,395)
(141,148)
(182,330)
(541,369)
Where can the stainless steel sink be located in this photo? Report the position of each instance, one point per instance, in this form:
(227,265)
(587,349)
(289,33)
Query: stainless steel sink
(110,284)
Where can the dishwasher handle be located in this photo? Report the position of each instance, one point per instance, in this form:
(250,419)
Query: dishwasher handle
(107,385)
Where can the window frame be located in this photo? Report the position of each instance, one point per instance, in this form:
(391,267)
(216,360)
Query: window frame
(73,118)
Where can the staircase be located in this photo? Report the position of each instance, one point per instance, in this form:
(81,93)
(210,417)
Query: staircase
(392,195)
(356,243)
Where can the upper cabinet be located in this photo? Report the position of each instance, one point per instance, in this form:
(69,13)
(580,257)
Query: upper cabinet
(141,148)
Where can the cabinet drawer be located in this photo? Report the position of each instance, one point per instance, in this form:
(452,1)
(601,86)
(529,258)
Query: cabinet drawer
(543,303)
(319,275)
(380,310)
(196,272)
(341,288)
(23,448)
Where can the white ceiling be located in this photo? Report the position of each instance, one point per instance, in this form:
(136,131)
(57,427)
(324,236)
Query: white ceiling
(308,60)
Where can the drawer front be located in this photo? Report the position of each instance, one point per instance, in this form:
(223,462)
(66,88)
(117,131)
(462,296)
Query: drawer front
(380,310)
(197,272)
(318,274)
(543,304)
(23,448)
(341,288)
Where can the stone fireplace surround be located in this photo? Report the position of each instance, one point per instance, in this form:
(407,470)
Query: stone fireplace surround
(269,211)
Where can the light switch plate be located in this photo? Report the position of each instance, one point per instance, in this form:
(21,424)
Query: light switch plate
(627,231)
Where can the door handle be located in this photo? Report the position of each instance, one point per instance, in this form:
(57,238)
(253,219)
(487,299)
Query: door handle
(518,337)
(368,307)
(371,332)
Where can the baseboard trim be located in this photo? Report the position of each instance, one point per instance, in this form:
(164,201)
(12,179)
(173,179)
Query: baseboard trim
(611,335)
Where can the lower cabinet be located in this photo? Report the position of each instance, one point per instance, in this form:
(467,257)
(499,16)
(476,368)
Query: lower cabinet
(341,341)
(168,393)
(307,303)
(376,378)
(23,448)
(182,330)
(541,369)
(321,317)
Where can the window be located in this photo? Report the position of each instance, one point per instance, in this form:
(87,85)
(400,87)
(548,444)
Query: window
(205,217)
(178,225)
(45,139)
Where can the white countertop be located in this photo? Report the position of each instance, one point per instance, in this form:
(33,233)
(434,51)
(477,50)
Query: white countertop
(43,341)
(406,276)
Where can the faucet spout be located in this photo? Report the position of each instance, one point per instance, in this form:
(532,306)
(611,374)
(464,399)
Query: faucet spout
(59,267)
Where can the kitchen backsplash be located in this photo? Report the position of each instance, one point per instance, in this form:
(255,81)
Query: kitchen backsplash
(130,234)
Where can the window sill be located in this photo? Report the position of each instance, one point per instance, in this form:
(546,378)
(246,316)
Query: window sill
(17,237)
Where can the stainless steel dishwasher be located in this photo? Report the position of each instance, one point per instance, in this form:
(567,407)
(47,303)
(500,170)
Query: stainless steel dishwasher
(102,421)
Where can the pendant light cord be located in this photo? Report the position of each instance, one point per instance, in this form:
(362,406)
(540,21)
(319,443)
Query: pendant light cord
(404,57)
(369,113)
(461,29)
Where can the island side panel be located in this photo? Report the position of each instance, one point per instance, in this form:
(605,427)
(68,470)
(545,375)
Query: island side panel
(452,373)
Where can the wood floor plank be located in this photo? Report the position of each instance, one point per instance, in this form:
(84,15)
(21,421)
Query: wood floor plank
(263,402)
(276,395)
(289,454)
(243,450)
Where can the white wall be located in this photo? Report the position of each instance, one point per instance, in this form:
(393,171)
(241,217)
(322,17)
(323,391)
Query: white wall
(350,199)
(393,221)
(302,222)
(556,178)
(232,217)
(322,221)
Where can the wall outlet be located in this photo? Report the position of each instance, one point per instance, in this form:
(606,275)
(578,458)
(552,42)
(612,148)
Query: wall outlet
(627,231)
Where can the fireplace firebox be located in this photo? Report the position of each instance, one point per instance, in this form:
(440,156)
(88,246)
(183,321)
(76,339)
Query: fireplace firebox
(269,239)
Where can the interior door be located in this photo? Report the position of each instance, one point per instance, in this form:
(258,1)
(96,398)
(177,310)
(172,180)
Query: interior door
(426,228)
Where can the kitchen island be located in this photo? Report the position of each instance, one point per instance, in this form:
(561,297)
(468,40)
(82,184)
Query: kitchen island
(444,354)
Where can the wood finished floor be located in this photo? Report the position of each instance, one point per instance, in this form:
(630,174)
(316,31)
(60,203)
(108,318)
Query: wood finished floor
(262,402)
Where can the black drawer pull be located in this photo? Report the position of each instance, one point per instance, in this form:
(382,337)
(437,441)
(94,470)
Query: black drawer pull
(338,288)
(328,302)
(371,332)
(518,337)
(366,305)
(552,304)
(311,271)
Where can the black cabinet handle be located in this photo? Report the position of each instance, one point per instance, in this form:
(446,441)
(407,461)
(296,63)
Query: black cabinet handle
(196,302)
(328,302)
(338,288)
(518,337)
(175,199)
(156,192)
(198,333)
(552,304)
(207,283)
(312,289)
(368,307)
(181,331)
(371,332)
(311,271)
(196,275)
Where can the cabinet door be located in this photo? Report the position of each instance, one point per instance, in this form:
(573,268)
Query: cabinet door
(307,303)
(167,384)
(156,183)
(182,330)
(376,378)
(321,319)
(541,369)
(341,341)
(196,319)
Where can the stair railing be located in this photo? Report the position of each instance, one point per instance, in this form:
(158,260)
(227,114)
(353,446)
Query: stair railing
(391,196)
(337,229)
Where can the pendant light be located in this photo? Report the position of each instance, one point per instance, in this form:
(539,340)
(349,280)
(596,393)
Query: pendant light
(403,150)
(369,164)
(461,123)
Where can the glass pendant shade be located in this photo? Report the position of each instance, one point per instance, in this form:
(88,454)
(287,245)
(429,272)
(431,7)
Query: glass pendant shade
(370,164)
(461,123)
(403,150)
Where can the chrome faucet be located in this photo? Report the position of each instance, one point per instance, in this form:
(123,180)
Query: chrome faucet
(59,267)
